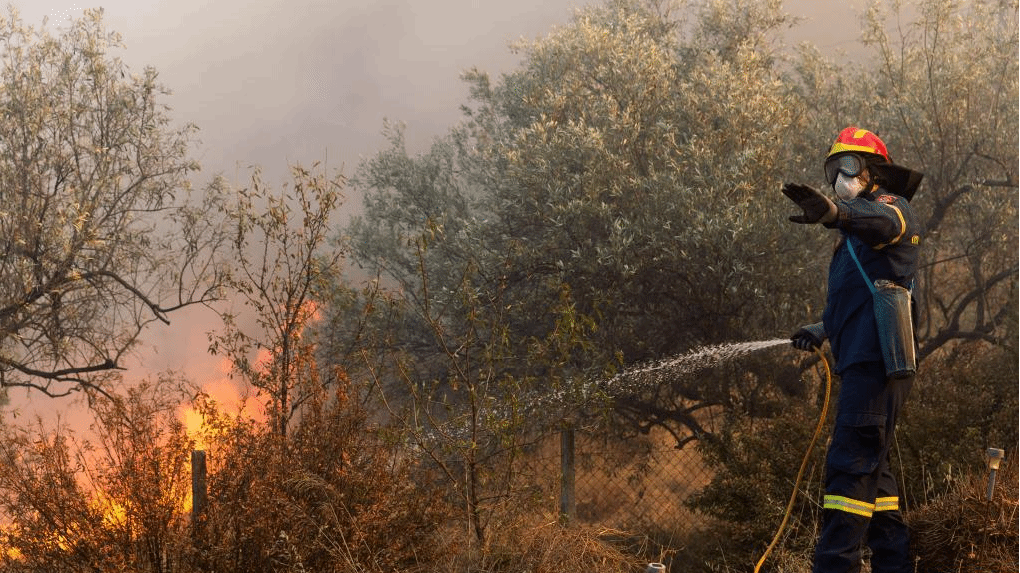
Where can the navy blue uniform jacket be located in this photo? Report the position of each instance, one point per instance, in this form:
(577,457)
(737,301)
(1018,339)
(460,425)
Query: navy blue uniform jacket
(882,229)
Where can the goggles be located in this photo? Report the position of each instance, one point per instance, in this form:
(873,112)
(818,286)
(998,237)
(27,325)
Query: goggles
(848,164)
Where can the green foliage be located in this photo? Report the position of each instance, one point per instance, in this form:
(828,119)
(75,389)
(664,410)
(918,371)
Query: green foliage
(757,459)
(97,235)
(624,162)
(964,401)
(640,177)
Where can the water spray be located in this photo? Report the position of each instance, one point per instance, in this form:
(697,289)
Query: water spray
(650,375)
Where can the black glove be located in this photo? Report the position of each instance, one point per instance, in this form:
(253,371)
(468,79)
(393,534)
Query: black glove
(817,207)
(808,337)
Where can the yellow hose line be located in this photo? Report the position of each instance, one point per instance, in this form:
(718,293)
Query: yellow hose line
(804,462)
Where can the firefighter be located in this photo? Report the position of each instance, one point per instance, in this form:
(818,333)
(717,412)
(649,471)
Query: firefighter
(872,214)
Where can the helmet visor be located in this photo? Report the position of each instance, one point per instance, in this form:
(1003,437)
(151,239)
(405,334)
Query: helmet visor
(848,164)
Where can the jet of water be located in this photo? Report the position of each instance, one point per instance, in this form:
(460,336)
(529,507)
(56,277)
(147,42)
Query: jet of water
(644,376)
(548,403)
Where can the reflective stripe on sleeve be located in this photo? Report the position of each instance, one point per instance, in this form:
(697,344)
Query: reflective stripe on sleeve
(849,505)
(903,227)
(887,504)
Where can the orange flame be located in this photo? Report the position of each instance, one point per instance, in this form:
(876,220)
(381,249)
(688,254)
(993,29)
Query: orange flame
(225,391)
(228,397)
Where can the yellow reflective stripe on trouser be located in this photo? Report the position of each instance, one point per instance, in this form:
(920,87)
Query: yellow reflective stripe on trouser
(887,504)
(849,505)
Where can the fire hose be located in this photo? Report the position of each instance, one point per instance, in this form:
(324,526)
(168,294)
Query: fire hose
(804,461)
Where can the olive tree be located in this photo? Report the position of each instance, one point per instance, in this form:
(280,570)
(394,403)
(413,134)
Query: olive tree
(97,232)
(940,87)
(629,161)
(604,203)
(949,97)
(644,156)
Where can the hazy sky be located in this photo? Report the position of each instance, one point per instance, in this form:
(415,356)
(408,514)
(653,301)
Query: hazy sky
(272,81)
(275,81)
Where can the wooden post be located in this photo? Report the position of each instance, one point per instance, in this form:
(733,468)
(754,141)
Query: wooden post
(568,506)
(199,494)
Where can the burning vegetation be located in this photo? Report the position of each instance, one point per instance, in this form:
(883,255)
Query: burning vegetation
(604,208)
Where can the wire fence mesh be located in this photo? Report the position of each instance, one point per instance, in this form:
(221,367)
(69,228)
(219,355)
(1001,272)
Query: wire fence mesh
(632,484)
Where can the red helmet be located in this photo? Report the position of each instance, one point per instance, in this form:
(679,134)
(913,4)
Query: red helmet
(856,140)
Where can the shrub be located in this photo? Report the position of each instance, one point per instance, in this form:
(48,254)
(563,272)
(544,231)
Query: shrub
(332,496)
(962,530)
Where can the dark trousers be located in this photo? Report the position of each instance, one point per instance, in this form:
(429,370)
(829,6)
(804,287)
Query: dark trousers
(861,496)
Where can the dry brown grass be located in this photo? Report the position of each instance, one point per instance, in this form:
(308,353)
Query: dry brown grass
(962,531)
(544,546)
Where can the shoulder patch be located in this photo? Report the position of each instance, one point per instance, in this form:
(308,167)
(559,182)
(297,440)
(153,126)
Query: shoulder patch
(885,199)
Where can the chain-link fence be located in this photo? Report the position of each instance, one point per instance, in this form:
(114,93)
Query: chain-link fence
(630,483)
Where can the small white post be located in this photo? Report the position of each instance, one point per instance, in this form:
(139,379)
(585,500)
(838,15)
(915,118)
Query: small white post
(995,455)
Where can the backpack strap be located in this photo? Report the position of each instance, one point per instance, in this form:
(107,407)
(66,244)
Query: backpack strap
(853,255)
(871,285)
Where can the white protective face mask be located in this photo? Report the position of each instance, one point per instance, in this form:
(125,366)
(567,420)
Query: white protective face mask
(848,188)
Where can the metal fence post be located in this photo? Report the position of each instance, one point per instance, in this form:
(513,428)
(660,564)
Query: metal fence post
(568,506)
